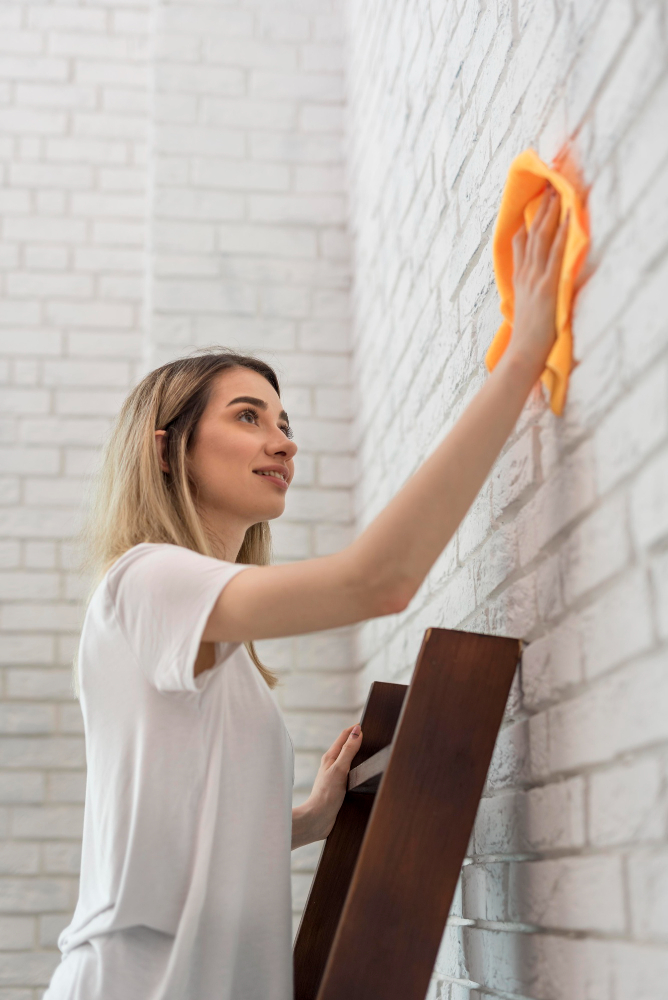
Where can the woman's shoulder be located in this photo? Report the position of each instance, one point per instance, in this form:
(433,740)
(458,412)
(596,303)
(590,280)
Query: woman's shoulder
(162,565)
(132,555)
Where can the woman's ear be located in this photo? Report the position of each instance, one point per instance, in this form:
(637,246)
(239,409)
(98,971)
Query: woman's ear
(161,446)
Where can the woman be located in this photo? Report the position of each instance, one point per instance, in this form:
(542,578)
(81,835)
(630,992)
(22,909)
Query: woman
(185,877)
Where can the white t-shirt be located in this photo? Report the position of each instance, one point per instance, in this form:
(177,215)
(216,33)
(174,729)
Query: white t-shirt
(185,873)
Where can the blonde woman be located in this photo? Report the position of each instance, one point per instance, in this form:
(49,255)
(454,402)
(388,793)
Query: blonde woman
(185,875)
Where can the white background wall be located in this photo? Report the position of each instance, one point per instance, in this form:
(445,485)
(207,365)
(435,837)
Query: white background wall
(171,178)
(565,892)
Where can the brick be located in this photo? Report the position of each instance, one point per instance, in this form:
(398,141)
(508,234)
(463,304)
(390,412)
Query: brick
(226,22)
(95,402)
(63,96)
(93,151)
(634,248)
(50,927)
(267,241)
(61,858)
(649,502)
(295,147)
(47,822)
(53,616)
(555,816)
(644,331)
(595,385)
(570,893)
(618,625)
(47,285)
(660,588)
(33,895)
(86,373)
(14,586)
(27,460)
(627,804)
(52,751)
(622,441)
(250,53)
(19,859)
(24,786)
(16,649)
(645,147)
(67,786)
(66,430)
(597,549)
(635,72)
(565,495)
(325,87)
(513,474)
(241,175)
(596,59)
(226,81)
(33,968)
(40,555)
(495,562)
(17,933)
(648,881)
(20,121)
(623,712)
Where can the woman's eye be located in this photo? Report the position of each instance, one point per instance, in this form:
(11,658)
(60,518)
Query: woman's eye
(254,417)
(249,413)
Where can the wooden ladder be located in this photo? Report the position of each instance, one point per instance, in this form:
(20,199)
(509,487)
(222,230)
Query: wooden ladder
(383,888)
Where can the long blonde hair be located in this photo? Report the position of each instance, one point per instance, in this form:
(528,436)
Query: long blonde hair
(134,501)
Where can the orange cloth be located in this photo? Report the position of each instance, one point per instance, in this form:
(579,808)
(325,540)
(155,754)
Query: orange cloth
(527,178)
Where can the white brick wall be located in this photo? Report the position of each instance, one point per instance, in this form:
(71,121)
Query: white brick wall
(564,893)
(171,177)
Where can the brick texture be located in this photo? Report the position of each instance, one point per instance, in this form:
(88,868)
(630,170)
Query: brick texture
(171,177)
(564,890)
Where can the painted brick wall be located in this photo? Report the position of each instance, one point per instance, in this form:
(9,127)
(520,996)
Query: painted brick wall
(73,130)
(564,893)
(171,178)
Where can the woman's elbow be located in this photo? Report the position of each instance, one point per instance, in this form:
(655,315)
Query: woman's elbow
(390,601)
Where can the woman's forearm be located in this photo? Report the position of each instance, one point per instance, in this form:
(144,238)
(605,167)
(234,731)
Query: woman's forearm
(305,826)
(398,548)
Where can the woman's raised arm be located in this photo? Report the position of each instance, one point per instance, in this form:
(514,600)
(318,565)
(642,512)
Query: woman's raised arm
(382,569)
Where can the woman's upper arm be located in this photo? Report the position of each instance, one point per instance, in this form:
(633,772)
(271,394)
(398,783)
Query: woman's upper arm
(267,602)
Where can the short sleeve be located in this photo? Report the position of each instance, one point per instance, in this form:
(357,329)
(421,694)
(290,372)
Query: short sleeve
(162,597)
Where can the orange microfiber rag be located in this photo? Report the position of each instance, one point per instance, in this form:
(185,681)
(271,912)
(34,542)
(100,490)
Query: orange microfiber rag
(526,182)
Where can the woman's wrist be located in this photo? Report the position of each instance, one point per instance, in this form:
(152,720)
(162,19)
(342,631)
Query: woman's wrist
(522,367)
(306,824)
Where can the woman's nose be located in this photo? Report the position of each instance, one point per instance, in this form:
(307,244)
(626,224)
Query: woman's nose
(285,447)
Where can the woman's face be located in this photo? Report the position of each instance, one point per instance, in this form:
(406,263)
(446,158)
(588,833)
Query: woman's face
(241,439)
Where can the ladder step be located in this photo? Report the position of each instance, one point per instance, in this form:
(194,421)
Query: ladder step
(366,777)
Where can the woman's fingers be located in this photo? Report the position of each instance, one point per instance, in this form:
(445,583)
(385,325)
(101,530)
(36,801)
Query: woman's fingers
(542,232)
(556,256)
(519,247)
(340,742)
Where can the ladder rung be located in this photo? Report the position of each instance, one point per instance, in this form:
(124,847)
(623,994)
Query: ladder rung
(366,776)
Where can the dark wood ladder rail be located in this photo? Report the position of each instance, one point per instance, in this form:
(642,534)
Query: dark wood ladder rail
(383,888)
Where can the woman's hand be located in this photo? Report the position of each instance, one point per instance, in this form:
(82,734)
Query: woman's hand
(537,258)
(314,819)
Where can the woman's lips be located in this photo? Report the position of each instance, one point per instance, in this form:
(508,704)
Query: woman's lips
(273,479)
